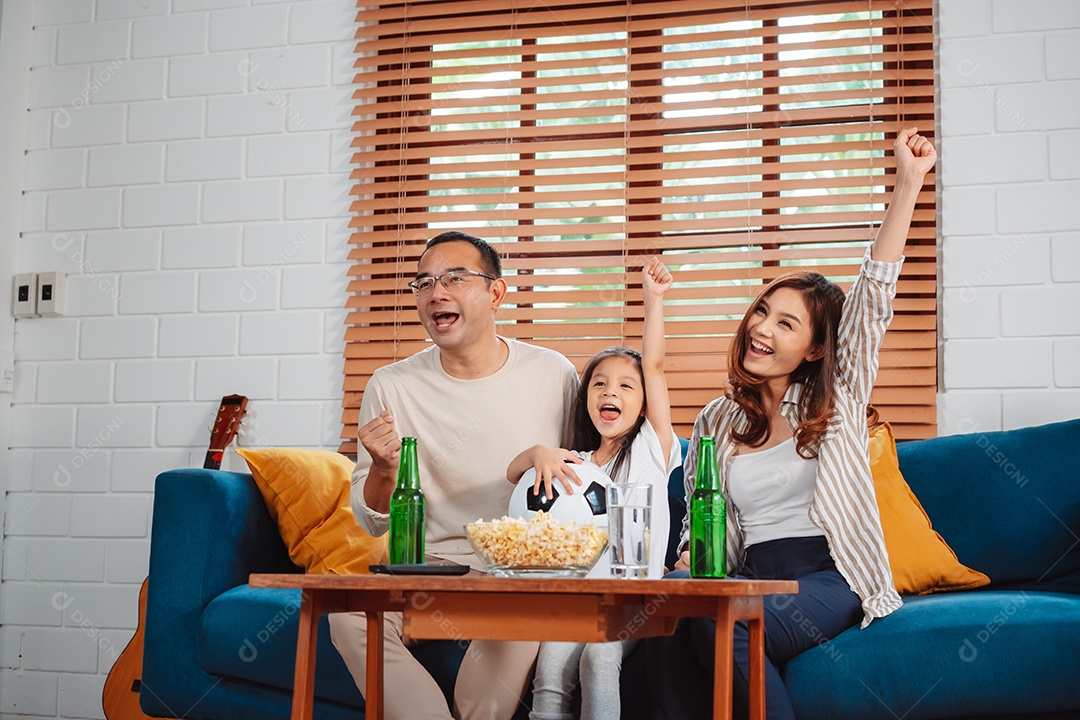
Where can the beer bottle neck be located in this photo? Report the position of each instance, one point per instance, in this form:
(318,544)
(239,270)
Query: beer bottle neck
(408,471)
(708,475)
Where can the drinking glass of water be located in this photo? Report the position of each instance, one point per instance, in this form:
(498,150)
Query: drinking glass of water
(629,511)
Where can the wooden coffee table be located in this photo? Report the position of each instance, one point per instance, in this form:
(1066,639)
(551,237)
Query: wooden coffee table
(489,608)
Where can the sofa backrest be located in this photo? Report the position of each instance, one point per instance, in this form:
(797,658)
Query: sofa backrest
(676,508)
(1008,503)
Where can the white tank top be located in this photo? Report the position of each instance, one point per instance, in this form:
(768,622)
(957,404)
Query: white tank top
(773,490)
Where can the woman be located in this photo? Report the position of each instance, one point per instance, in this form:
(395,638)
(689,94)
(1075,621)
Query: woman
(791,439)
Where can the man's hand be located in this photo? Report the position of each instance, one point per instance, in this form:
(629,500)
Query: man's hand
(381,441)
(915,155)
(683,563)
(655,277)
(551,464)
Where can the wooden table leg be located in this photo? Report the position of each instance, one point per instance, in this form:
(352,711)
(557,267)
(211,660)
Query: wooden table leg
(756,627)
(722,663)
(311,608)
(373,698)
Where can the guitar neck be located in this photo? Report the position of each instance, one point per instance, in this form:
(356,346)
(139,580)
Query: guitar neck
(213,459)
(224,430)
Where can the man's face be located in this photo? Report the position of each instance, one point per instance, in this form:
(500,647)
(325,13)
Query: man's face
(460,318)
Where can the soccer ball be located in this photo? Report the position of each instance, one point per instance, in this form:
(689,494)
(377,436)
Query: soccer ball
(588,504)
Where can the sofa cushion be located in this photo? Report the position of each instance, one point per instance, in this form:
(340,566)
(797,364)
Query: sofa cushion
(946,655)
(1008,502)
(307,494)
(920,559)
(250,633)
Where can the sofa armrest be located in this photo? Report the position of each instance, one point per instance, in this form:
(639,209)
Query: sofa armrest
(211,529)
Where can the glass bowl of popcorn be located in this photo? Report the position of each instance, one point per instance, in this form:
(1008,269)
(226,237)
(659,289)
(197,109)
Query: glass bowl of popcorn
(540,547)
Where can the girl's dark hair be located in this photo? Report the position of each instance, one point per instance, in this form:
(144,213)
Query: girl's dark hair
(825,302)
(583,434)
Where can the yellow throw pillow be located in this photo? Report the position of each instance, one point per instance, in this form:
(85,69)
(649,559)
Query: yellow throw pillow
(307,493)
(921,560)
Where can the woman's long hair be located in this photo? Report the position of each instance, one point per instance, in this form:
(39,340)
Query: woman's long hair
(583,434)
(825,302)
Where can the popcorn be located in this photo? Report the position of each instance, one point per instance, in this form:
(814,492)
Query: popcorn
(540,542)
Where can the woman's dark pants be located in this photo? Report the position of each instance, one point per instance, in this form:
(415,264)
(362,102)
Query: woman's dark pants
(681,666)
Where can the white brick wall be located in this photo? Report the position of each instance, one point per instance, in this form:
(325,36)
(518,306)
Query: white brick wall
(271,245)
(196,247)
(154,380)
(242,200)
(205,160)
(165,120)
(206,75)
(254,378)
(187,165)
(117,338)
(55,169)
(157,292)
(124,250)
(116,9)
(157,205)
(70,471)
(83,209)
(86,124)
(169,36)
(1010,156)
(125,165)
(251,114)
(158,145)
(281,333)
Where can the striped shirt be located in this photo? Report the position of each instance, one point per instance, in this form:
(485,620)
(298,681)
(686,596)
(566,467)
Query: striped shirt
(844,504)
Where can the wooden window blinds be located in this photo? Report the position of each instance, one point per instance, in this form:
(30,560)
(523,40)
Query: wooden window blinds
(736,140)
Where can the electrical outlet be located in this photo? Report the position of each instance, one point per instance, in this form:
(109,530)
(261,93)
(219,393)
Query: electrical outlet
(50,294)
(24,296)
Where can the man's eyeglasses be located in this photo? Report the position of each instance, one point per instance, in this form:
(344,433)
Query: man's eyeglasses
(452,280)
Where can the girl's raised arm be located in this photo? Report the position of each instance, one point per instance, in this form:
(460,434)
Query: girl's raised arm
(655,281)
(915,155)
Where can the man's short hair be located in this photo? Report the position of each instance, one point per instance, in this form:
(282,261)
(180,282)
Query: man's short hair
(492,265)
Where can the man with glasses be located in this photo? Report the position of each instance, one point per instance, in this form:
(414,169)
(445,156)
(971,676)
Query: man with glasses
(473,400)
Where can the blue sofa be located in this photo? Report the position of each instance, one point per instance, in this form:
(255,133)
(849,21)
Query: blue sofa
(1008,503)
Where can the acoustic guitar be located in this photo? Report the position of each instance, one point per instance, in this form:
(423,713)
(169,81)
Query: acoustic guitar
(120,697)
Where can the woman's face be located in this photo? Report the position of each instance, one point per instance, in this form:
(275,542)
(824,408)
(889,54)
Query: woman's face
(780,335)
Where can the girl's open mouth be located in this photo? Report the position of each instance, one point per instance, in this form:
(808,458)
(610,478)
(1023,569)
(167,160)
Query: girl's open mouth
(609,413)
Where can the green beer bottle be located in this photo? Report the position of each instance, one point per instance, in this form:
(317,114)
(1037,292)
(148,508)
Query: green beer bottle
(407,509)
(708,517)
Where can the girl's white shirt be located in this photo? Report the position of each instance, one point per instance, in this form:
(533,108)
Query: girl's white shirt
(647,467)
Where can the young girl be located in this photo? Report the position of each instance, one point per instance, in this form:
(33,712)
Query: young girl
(791,439)
(621,422)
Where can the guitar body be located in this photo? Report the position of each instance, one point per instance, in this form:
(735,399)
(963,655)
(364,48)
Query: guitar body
(120,698)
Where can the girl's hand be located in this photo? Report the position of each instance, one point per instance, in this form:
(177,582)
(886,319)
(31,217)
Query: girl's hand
(551,465)
(915,155)
(683,563)
(655,277)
